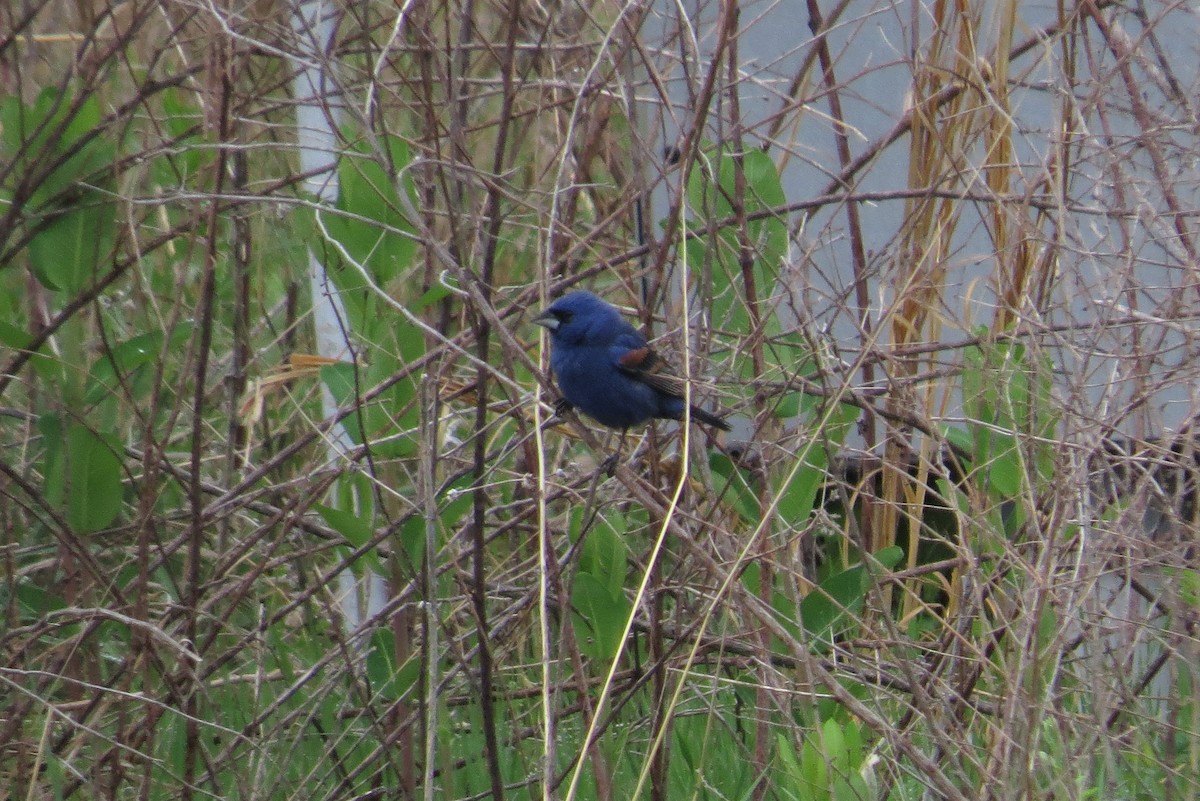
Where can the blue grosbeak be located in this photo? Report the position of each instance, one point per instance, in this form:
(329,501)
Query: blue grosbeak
(605,368)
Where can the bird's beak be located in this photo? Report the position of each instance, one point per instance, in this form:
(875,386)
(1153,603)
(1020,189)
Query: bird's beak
(547,321)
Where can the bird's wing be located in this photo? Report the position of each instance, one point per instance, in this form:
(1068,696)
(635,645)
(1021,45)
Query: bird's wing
(643,364)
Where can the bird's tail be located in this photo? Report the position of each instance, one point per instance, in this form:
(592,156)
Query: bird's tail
(708,417)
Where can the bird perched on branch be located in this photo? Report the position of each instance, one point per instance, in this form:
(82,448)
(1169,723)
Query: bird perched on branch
(605,369)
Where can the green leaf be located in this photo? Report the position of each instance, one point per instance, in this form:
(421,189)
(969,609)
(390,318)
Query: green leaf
(830,609)
(14,337)
(457,501)
(769,234)
(791,778)
(781,603)
(435,293)
(798,496)
(95,151)
(1007,399)
(43,133)
(1005,473)
(27,128)
(601,616)
(340,380)
(182,120)
(54,476)
(739,494)
(712,186)
(751,578)
(32,601)
(388,680)
(825,610)
(391,411)
(604,554)
(374,229)
(81,470)
(787,406)
(395,409)
(1188,583)
(888,558)
(958,438)
(67,254)
(834,745)
(814,769)
(358,532)
(412,541)
(128,358)
(685,748)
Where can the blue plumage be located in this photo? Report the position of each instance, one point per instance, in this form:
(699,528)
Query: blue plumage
(605,369)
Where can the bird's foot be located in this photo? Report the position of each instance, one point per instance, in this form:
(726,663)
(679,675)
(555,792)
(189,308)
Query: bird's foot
(562,406)
(609,465)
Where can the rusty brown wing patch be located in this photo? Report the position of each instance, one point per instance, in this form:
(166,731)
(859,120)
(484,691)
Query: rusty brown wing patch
(646,366)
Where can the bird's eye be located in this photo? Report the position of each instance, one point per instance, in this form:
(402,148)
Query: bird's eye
(563,316)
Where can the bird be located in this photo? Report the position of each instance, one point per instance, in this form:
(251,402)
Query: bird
(605,368)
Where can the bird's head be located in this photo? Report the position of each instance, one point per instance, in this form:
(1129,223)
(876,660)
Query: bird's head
(578,316)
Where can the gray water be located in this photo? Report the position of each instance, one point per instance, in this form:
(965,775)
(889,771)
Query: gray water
(1137,378)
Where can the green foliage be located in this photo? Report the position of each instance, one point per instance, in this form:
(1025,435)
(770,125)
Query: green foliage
(145,516)
(130,364)
(59,140)
(604,553)
(389,680)
(598,599)
(830,766)
(82,472)
(372,225)
(374,231)
(356,529)
(708,761)
(1006,394)
(832,608)
(30,600)
(600,617)
(181,120)
(738,493)
(73,242)
(797,489)
(712,192)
